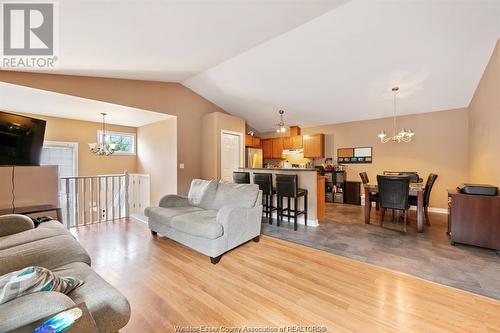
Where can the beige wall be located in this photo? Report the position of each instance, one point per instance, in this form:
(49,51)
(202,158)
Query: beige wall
(439,146)
(157,156)
(484,125)
(213,124)
(83,132)
(170,98)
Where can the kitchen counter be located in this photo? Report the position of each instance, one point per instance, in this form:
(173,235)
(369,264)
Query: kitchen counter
(278,169)
(308,179)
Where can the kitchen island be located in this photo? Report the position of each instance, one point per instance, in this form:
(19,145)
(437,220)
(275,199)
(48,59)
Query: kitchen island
(308,179)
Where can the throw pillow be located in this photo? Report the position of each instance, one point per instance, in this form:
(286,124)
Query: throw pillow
(34,279)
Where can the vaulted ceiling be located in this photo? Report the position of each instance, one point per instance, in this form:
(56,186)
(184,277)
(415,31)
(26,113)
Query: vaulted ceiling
(323,61)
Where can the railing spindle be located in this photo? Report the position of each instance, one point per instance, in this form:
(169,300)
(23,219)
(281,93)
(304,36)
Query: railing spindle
(99,199)
(113,198)
(68,220)
(106,197)
(84,200)
(77,203)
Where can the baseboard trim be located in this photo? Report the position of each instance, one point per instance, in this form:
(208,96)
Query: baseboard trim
(434,210)
(310,223)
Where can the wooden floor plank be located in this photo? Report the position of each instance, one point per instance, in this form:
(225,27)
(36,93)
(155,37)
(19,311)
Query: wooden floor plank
(272,283)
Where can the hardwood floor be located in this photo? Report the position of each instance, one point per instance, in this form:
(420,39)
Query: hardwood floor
(272,283)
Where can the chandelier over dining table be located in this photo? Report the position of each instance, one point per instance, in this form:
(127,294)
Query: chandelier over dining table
(404,135)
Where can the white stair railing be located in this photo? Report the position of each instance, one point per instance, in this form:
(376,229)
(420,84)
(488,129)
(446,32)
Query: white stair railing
(93,199)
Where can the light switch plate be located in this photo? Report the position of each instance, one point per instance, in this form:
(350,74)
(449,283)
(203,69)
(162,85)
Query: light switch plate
(181,166)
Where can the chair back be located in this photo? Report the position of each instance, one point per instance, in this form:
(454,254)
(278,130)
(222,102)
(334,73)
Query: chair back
(413,175)
(286,185)
(265,182)
(428,188)
(241,177)
(364,178)
(393,192)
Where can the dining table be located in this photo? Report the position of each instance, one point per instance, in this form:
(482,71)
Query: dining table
(416,189)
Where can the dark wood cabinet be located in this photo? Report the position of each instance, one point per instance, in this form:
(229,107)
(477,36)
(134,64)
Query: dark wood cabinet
(474,219)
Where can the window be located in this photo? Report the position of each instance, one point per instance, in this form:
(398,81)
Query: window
(62,154)
(125,142)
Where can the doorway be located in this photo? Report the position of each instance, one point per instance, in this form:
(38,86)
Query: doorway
(231,154)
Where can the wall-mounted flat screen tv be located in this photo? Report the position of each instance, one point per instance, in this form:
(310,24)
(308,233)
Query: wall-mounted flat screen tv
(21,139)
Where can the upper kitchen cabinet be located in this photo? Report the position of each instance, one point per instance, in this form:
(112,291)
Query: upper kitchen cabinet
(277,148)
(292,142)
(252,141)
(267,148)
(314,146)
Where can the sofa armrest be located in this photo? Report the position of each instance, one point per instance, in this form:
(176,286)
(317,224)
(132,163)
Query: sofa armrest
(240,224)
(13,223)
(172,200)
(30,308)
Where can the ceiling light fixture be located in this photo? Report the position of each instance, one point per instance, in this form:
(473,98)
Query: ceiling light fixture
(404,135)
(281,128)
(102,148)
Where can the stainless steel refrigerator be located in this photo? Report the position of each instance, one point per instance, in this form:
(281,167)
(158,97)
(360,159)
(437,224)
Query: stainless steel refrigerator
(254,158)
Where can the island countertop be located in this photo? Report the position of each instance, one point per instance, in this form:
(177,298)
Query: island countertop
(280,169)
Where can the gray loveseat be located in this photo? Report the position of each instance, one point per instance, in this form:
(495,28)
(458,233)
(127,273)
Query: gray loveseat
(214,218)
(52,246)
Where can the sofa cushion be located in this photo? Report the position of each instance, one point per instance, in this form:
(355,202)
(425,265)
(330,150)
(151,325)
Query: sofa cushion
(202,193)
(30,308)
(109,308)
(201,224)
(164,215)
(45,230)
(235,195)
(49,253)
(32,280)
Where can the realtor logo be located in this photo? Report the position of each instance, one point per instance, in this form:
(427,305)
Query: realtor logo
(28,34)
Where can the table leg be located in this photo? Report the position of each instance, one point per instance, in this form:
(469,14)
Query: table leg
(368,206)
(420,211)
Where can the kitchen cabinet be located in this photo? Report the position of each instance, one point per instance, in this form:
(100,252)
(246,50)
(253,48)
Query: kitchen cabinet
(314,146)
(292,142)
(297,142)
(252,141)
(277,151)
(256,142)
(267,148)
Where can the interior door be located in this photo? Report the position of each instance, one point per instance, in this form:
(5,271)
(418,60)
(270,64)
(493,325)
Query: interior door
(231,155)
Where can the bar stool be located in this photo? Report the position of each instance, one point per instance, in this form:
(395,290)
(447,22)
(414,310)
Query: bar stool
(287,187)
(265,182)
(241,177)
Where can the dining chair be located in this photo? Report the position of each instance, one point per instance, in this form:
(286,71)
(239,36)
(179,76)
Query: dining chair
(241,177)
(413,175)
(393,194)
(373,196)
(427,195)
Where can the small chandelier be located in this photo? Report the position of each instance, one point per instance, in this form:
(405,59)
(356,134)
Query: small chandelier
(102,148)
(281,128)
(404,135)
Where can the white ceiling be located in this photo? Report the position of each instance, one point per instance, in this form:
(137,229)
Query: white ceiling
(323,61)
(341,66)
(169,40)
(21,99)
